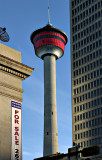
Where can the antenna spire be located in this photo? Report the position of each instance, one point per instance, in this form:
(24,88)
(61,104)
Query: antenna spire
(48,13)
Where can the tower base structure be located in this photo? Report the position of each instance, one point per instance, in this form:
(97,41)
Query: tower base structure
(12,72)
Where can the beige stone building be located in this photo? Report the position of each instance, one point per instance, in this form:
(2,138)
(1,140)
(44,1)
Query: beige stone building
(12,72)
(86,69)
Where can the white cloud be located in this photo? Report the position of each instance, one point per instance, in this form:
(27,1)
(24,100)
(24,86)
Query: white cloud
(36,109)
(64,94)
(33,82)
(35,154)
(27,153)
(33,104)
(64,148)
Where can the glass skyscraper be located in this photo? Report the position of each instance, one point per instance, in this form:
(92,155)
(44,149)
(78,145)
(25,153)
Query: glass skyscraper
(86,69)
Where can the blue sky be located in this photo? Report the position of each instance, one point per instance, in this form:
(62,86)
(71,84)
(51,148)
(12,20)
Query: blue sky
(21,18)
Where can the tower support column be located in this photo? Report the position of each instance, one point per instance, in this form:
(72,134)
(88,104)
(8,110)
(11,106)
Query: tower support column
(50,110)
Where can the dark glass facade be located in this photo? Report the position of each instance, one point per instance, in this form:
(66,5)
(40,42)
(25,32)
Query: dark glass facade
(86,69)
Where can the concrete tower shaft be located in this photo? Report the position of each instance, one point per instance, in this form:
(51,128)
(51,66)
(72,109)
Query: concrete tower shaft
(50,113)
(49,44)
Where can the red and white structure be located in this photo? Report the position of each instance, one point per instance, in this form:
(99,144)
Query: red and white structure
(49,44)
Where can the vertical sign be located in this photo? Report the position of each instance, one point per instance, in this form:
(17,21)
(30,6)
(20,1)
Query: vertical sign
(16,131)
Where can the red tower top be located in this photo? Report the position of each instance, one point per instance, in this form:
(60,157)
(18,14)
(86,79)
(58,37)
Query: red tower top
(49,40)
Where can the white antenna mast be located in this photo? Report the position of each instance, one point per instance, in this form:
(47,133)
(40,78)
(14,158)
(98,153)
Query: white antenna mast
(48,13)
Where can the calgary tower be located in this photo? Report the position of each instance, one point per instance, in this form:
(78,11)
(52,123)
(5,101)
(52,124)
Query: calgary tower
(49,44)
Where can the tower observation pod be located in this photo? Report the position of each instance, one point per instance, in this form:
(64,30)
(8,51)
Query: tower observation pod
(49,44)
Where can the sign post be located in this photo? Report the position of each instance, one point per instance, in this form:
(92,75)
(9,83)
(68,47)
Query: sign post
(16,130)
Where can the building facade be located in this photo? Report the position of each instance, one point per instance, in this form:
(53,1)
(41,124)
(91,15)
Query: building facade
(12,72)
(86,69)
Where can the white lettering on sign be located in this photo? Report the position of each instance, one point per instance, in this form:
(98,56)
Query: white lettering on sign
(16,131)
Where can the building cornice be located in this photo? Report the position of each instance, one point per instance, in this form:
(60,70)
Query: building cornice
(14,67)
